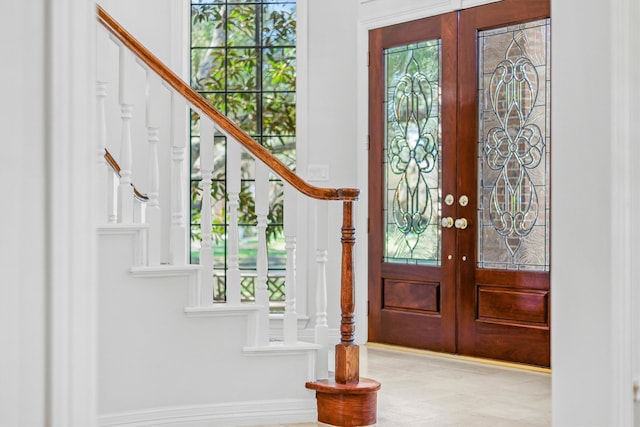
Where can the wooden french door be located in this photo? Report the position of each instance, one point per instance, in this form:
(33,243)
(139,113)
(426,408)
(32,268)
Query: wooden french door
(459,183)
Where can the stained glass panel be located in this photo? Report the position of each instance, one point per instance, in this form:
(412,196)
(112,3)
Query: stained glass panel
(412,160)
(514,147)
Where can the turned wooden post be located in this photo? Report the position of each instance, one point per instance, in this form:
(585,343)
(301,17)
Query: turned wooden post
(347,400)
(347,352)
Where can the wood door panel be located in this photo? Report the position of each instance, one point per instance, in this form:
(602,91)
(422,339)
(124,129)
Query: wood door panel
(406,295)
(512,306)
(515,279)
(415,273)
(509,12)
(508,342)
(411,330)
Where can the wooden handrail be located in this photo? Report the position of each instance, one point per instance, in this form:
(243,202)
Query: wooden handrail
(116,168)
(226,125)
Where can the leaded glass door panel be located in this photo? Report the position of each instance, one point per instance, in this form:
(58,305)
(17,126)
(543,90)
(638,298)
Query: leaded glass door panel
(505,142)
(459,182)
(412,164)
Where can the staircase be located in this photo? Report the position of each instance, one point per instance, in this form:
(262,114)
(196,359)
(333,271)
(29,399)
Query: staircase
(169,354)
(163,360)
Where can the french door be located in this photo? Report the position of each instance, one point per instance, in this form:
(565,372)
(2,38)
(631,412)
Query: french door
(459,182)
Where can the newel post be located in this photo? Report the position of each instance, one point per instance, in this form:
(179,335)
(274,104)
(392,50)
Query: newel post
(347,400)
(347,352)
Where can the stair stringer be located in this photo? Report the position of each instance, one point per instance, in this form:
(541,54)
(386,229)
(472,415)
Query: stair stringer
(163,364)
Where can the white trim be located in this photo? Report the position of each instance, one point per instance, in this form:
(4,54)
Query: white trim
(303,249)
(166,271)
(456,4)
(308,335)
(397,16)
(116,229)
(71,238)
(281,349)
(220,414)
(302,88)
(138,233)
(624,99)
(222,310)
(465,4)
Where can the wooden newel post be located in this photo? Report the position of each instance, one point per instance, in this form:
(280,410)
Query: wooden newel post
(347,352)
(348,400)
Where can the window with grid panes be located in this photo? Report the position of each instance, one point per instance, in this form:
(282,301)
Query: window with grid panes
(243,60)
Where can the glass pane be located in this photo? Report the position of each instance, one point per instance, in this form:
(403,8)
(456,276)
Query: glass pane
(279,24)
(279,69)
(412,160)
(279,114)
(241,25)
(243,77)
(242,109)
(207,27)
(514,147)
(207,69)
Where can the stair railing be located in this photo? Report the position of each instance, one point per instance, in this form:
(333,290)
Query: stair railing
(211,120)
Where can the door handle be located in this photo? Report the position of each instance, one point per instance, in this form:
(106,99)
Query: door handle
(461,223)
(447,222)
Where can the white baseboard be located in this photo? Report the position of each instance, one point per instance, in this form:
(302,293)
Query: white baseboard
(218,415)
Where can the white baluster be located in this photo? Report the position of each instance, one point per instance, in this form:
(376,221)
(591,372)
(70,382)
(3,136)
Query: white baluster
(125,160)
(233,191)
(139,209)
(178,246)
(105,174)
(125,190)
(205,297)
(112,196)
(290,218)
(153,213)
(261,286)
(321,331)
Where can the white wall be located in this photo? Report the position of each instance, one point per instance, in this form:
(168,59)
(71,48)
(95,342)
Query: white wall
(581,268)
(594,113)
(22,178)
(46,304)
(331,109)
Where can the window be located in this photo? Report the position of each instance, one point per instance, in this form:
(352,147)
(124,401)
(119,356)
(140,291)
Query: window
(243,60)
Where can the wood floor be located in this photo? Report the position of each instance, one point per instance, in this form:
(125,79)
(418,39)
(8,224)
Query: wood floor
(419,389)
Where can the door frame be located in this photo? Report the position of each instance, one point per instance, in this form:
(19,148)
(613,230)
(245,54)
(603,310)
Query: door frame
(499,335)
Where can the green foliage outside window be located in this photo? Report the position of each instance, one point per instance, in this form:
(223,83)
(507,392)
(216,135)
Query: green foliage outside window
(243,60)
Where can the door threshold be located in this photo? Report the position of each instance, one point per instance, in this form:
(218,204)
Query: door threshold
(493,362)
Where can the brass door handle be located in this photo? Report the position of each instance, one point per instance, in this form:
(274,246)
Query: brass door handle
(461,223)
(447,222)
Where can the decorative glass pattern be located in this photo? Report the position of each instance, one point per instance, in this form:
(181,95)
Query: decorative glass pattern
(514,147)
(412,154)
